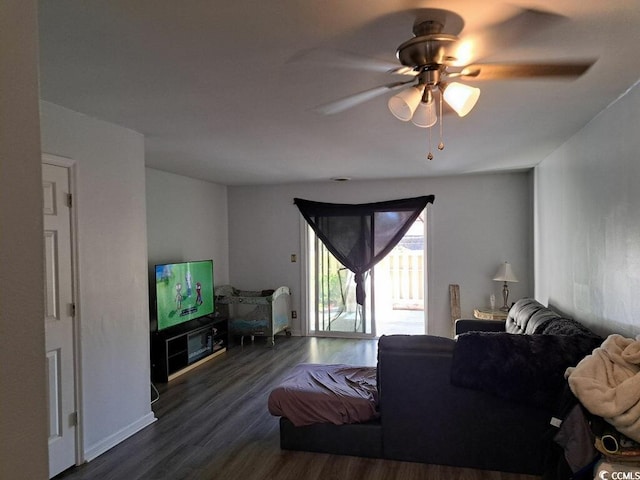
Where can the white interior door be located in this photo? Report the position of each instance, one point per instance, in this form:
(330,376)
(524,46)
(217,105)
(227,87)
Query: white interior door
(59,313)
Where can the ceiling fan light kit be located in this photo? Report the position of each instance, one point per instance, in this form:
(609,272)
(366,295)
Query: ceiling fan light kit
(460,97)
(416,103)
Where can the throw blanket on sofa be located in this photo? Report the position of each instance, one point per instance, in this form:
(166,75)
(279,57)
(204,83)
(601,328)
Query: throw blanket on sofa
(523,368)
(607,383)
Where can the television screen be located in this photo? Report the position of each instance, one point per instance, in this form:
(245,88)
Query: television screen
(184,291)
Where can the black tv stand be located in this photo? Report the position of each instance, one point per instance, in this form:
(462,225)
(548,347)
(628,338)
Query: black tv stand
(179,349)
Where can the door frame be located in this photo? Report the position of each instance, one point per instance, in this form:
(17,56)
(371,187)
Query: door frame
(304,284)
(71,166)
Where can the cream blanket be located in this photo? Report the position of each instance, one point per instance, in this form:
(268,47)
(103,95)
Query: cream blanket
(607,383)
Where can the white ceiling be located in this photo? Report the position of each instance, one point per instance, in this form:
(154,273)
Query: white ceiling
(217,92)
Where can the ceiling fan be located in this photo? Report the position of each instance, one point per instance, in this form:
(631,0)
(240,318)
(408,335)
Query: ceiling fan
(437,57)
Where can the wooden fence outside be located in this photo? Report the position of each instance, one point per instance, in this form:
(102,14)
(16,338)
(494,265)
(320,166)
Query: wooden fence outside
(404,271)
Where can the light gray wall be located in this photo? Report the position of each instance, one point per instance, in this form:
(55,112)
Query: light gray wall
(187,220)
(587,203)
(476,223)
(23,397)
(112,264)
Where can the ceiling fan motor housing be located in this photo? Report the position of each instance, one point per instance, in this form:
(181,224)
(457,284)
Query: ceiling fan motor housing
(427,47)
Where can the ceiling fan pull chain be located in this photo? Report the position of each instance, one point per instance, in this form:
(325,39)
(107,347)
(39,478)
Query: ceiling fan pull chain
(441,144)
(430,155)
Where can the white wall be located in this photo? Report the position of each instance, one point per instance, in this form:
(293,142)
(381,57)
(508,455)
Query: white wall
(112,264)
(23,398)
(187,220)
(587,240)
(476,223)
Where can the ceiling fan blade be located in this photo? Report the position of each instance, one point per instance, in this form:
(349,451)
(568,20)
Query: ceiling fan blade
(358,98)
(341,59)
(495,71)
(477,45)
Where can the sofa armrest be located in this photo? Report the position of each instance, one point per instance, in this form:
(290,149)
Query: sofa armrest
(427,419)
(464,325)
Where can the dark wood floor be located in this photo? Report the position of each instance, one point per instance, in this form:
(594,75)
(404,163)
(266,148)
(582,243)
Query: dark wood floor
(213,423)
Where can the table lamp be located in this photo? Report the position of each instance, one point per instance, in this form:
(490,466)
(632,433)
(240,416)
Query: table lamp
(505,274)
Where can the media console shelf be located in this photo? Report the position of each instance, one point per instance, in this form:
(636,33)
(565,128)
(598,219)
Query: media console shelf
(176,351)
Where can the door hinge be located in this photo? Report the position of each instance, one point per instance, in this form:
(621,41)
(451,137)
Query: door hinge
(73,419)
(69,200)
(72,309)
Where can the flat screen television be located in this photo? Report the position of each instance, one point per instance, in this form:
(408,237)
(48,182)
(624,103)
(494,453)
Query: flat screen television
(184,292)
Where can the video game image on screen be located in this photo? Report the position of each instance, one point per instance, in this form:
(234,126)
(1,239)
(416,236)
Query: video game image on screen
(184,291)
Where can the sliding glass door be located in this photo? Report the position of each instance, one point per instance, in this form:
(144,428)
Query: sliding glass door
(395,290)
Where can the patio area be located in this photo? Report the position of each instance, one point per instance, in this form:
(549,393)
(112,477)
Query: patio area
(393,322)
(408,322)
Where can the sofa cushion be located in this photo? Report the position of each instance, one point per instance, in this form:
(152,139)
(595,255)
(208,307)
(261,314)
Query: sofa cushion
(527,315)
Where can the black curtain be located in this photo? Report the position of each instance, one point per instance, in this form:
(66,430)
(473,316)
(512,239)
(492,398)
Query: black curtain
(359,236)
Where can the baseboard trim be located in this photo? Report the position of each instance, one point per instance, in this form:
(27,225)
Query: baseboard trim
(118,437)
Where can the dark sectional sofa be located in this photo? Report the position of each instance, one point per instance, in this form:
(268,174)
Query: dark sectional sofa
(473,402)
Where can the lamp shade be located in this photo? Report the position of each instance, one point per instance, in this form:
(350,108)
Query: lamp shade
(505,274)
(462,98)
(425,115)
(405,103)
